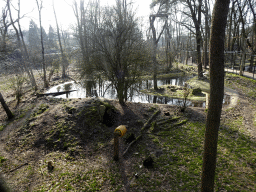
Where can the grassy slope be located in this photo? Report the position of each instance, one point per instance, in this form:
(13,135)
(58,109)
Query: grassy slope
(177,169)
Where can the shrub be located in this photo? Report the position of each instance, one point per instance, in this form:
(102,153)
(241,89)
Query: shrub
(17,85)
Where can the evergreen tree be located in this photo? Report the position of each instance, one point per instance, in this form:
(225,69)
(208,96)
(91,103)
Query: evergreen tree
(51,38)
(45,38)
(33,36)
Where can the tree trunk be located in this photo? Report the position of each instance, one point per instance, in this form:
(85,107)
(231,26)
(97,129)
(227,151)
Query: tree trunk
(217,38)
(6,108)
(198,41)
(42,43)
(64,59)
(207,32)
(152,20)
(242,63)
(155,42)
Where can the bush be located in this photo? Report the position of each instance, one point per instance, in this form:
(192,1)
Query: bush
(17,85)
(183,104)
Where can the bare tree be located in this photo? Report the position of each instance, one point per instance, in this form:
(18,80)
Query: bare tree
(64,58)
(253,48)
(207,32)
(111,47)
(80,14)
(219,21)
(4,28)
(22,45)
(196,11)
(243,13)
(193,10)
(6,108)
(39,7)
(155,41)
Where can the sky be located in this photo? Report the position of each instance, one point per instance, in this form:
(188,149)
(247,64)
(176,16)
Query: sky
(64,11)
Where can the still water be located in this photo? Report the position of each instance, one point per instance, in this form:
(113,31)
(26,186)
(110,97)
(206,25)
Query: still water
(107,91)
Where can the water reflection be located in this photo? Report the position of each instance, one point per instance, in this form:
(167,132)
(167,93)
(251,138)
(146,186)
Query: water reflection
(67,87)
(107,90)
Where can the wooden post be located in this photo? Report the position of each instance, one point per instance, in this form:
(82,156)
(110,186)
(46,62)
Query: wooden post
(119,132)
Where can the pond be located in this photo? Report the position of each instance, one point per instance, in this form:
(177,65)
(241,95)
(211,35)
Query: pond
(107,91)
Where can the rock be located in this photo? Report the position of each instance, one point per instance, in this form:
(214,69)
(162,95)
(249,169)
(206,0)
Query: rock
(50,166)
(167,113)
(55,78)
(197,91)
(148,162)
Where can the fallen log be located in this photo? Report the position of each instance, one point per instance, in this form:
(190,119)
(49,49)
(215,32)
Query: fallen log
(146,125)
(168,121)
(171,127)
(54,94)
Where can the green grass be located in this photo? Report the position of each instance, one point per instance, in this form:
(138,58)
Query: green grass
(244,83)
(177,169)
(2,160)
(202,84)
(91,180)
(5,84)
(41,109)
(254,121)
(1,127)
(164,76)
(180,166)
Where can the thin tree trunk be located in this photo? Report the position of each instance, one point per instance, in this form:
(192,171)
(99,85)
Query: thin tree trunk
(152,20)
(219,21)
(242,62)
(206,35)
(6,108)
(155,42)
(198,41)
(64,59)
(42,42)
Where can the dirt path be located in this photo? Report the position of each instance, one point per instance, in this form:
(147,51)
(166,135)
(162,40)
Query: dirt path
(234,96)
(9,130)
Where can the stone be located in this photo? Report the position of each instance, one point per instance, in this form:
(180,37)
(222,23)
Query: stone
(167,113)
(148,162)
(50,165)
(197,91)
